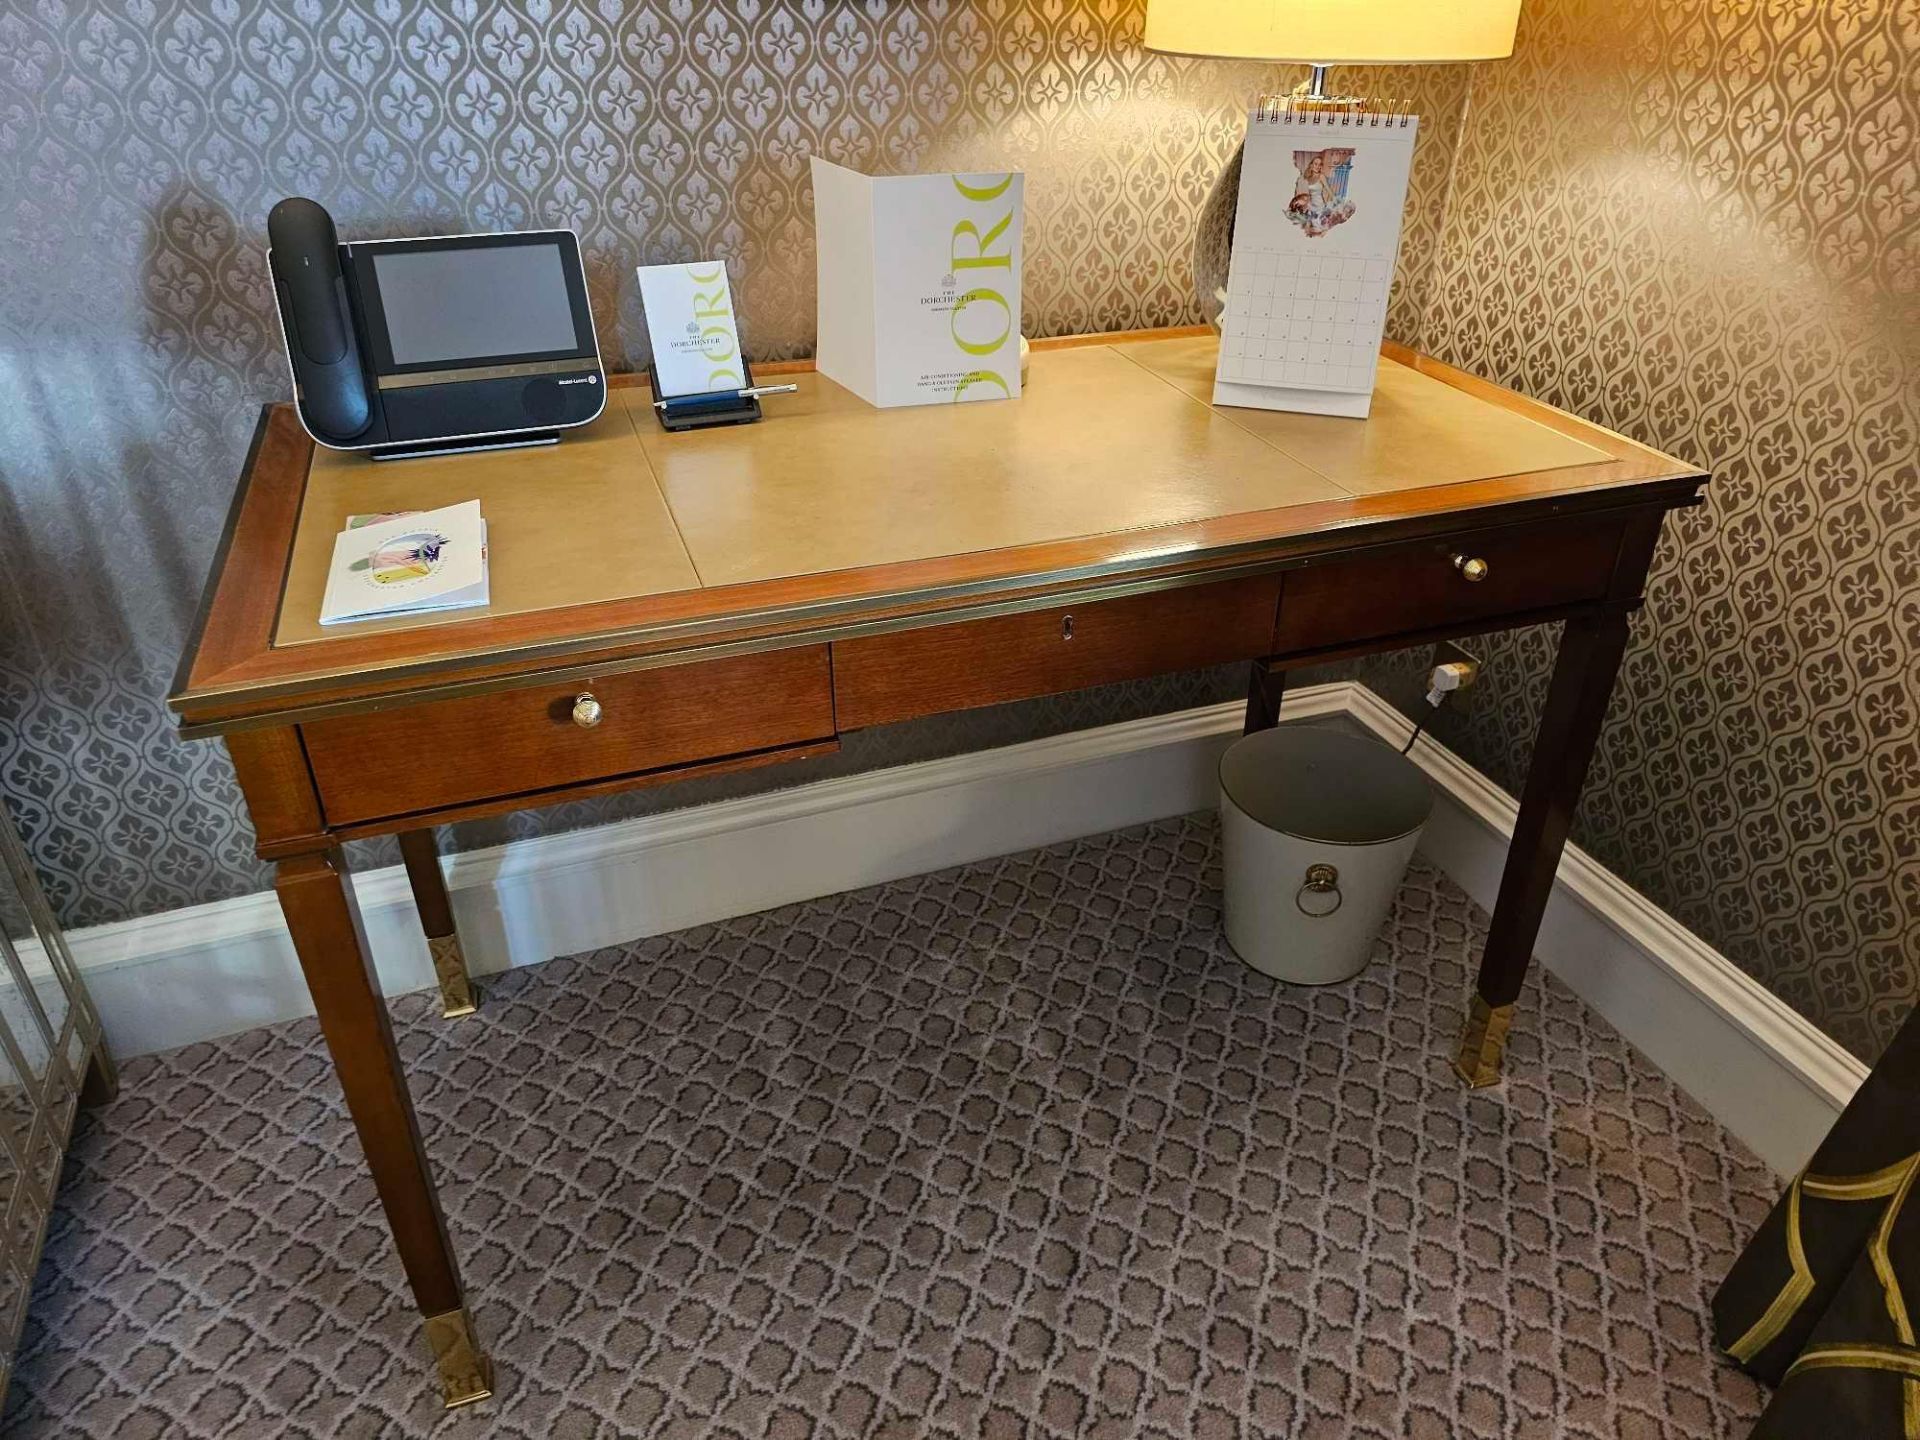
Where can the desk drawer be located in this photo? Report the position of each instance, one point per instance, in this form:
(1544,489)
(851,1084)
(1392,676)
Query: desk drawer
(878,679)
(455,752)
(1419,587)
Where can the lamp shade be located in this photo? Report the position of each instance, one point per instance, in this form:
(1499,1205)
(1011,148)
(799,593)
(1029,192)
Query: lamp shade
(1335,32)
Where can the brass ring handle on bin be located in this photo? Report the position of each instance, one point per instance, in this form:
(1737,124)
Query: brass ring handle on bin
(1321,880)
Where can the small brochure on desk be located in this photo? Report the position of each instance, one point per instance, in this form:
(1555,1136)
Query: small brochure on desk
(690,322)
(406,564)
(919,284)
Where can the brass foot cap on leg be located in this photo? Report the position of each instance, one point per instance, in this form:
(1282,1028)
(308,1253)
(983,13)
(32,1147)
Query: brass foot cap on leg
(450,969)
(1484,1043)
(466,1371)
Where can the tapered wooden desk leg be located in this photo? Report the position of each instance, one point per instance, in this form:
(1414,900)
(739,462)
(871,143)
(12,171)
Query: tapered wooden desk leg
(1583,676)
(422,857)
(1265,686)
(318,902)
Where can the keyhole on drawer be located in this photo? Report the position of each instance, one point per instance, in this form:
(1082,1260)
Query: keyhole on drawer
(1066,627)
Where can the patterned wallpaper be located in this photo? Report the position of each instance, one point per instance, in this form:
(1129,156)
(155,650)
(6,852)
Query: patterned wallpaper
(1695,222)
(1699,224)
(141,145)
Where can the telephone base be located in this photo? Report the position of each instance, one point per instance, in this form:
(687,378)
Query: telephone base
(415,449)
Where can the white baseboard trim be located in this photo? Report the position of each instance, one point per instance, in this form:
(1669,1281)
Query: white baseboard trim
(1762,1069)
(167,980)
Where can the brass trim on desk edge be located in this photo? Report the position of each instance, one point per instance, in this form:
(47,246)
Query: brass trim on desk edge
(1065,591)
(753,645)
(210,587)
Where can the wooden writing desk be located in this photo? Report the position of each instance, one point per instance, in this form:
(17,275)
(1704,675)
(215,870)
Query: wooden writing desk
(675,605)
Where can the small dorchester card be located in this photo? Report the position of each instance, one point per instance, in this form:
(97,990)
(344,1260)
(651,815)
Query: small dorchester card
(696,341)
(406,564)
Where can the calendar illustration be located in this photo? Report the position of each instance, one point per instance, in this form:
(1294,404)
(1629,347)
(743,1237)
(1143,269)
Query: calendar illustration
(1314,243)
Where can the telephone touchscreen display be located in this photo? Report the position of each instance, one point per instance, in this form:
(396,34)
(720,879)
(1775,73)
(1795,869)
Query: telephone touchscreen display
(453,304)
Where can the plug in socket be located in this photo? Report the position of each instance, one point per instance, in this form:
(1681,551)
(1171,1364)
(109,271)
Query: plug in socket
(1448,653)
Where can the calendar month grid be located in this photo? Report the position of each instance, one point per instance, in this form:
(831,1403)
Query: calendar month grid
(1307,320)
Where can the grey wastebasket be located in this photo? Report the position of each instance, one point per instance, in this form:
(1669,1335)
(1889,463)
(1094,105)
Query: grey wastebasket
(1317,828)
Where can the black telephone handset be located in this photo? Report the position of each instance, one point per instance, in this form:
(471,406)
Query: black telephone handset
(305,261)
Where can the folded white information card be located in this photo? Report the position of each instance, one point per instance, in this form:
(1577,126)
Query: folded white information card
(919,284)
(696,342)
(428,560)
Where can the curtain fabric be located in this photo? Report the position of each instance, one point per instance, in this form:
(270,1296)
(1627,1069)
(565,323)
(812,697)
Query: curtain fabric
(1823,1302)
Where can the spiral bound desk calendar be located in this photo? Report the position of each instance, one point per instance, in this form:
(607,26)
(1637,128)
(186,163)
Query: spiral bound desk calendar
(1322,187)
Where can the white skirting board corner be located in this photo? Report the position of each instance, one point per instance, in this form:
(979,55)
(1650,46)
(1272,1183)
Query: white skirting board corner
(1771,1077)
(1763,1070)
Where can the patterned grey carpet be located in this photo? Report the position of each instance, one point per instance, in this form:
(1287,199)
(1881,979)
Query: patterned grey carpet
(1018,1149)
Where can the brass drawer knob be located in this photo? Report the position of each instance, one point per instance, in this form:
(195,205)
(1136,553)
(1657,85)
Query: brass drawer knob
(1471,566)
(586,710)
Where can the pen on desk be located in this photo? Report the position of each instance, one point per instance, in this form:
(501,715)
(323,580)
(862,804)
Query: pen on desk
(751,392)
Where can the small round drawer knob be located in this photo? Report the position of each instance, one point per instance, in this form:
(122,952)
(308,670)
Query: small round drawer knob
(586,710)
(1471,566)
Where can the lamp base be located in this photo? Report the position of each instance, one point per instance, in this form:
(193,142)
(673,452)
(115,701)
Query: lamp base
(1213,241)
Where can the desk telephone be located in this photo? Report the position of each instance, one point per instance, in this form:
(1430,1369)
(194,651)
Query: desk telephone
(458,342)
